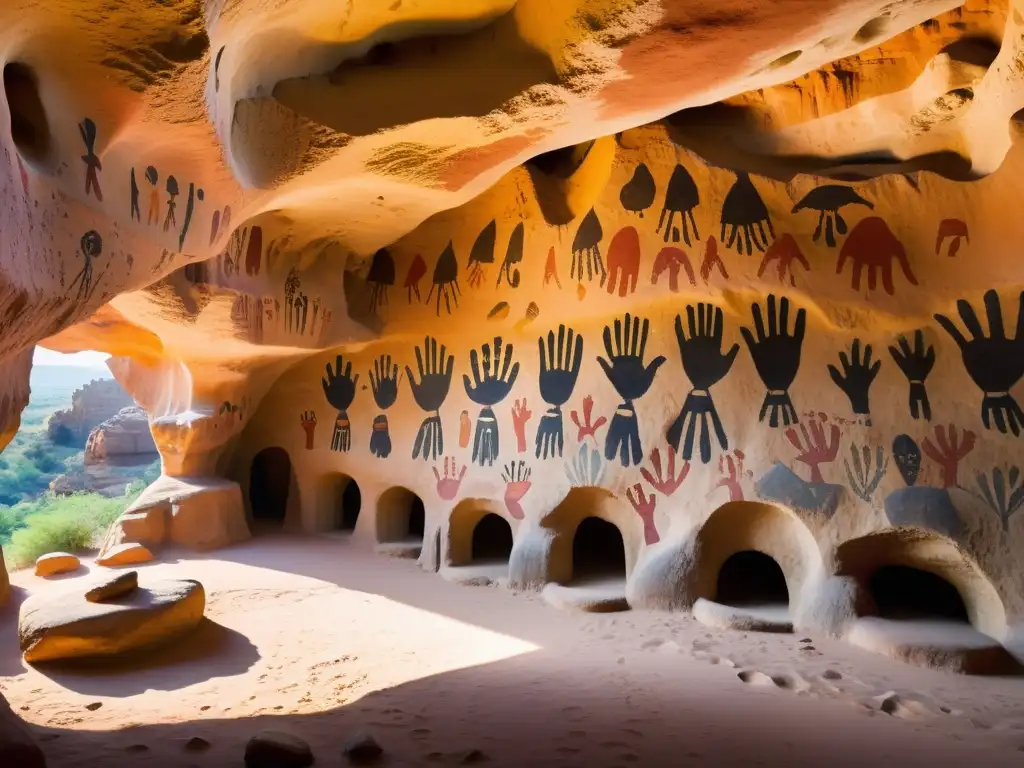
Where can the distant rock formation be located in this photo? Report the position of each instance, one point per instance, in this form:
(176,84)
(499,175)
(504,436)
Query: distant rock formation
(124,438)
(91,405)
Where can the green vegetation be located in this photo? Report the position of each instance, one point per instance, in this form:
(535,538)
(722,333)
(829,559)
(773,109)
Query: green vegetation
(33,520)
(59,523)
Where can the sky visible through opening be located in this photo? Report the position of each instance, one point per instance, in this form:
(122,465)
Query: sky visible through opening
(87,359)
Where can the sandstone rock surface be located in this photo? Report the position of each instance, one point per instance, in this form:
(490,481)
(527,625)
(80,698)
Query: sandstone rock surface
(56,562)
(125,554)
(67,626)
(113,586)
(123,438)
(91,405)
(17,747)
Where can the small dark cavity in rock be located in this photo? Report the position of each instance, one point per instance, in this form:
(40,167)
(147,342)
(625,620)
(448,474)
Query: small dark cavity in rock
(808,648)
(94,706)
(204,707)
(472,756)
(831,674)
(362,748)
(807,640)
(136,748)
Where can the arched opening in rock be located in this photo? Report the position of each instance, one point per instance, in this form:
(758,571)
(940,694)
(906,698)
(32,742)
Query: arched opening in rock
(598,551)
(901,592)
(751,578)
(30,128)
(349,504)
(401,520)
(269,481)
(492,540)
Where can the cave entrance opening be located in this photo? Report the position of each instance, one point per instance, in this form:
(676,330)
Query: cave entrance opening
(269,482)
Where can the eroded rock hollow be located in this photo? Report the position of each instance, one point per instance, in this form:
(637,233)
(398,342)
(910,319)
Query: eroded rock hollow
(598,297)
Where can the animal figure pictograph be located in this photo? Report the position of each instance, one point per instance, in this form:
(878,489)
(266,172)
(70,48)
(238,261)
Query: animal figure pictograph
(91,247)
(827,200)
(995,362)
(135,213)
(446,280)
(430,391)
(340,390)
(586,250)
(482,254)
(744,217)
(631,379)
(87,130)
(560,361)
(493,376)
(172,192)
(705,364)
(681,197)
(872,245)
(380,277)
(637,194)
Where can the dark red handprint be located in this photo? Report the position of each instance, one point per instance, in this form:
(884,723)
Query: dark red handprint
(670,259)
(417,270)
(872,244)
(787,253)
(711,261)
(644,506)
(949,452)
(730,466)
(668,484)
(587,428)
(551,269)
(308,421)
(955,229)
(814,449)
(623,261)
(520,416)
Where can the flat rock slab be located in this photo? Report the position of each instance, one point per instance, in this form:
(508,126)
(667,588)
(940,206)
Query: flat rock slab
(126,554)
(56,562)
(767,618)
(113,586)
(948,645)
(67,626)
(591,596)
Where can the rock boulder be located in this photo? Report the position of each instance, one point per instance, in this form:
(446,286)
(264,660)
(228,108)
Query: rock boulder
(91,405)
(125,437)
(113,586)
(125,554)
(67,626)
(56,562)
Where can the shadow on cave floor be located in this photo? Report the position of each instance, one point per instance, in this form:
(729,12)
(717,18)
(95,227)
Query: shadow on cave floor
(337,639)
(538,710)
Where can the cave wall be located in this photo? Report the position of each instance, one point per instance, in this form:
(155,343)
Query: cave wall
(879,393)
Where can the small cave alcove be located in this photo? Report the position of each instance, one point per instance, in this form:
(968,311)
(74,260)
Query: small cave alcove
(900,592)
(598,551)
(401,517)
(751,578)
(30,127)
(350,503)
(269,481)
(492,540)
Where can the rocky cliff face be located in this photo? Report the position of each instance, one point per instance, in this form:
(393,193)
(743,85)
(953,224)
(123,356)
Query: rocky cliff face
(91,405)
(729,280)
(123,438)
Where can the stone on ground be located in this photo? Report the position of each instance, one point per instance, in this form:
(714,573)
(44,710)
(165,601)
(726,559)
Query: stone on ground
(362,748)
(67,626)
(125,554)
(277,749)
(56,562)
(112,586)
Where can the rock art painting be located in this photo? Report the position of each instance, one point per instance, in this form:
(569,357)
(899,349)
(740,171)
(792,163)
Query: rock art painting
(493,376)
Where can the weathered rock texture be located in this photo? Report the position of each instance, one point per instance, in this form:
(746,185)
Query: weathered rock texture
(67,626)
(123,438)
(540,252)
(55,563)
(91,406)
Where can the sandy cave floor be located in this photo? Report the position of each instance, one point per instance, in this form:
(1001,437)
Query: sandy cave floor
(320,637)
